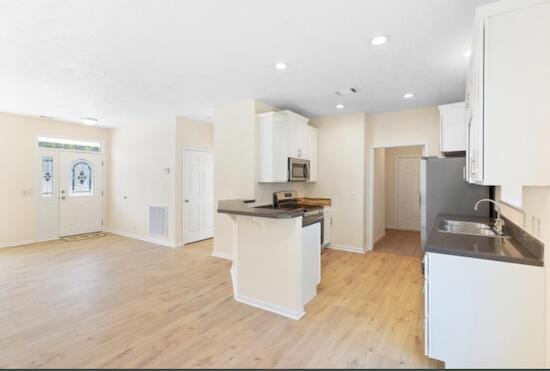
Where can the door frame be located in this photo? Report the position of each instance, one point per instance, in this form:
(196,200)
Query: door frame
(38,166)
(370,183)
(187,148)
(397,186)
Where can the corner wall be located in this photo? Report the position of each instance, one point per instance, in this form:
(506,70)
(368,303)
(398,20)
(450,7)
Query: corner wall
(140,154)
(341,176)
(195,135)
(234,174)
(18,164)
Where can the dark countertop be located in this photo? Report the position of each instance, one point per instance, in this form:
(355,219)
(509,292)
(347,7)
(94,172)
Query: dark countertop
(519,249)
(244,207)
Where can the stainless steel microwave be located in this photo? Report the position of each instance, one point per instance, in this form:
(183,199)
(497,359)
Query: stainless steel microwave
(298,170)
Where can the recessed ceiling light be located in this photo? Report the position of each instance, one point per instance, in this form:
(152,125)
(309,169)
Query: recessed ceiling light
(339,106)
(89,121)
(408,95)
(467,54)
(281,66)
(379,40)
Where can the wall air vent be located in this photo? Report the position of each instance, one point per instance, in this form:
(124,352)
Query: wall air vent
(346,91)
(158,221)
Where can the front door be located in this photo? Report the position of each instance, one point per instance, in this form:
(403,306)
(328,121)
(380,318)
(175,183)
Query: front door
(198,195)
(408,193)
(80,193)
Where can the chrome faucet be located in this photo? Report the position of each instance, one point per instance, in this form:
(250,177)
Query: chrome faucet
(499,223)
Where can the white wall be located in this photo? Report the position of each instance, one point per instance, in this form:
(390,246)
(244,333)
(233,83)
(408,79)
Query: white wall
(380,192)
(405,128)
(391,187)
(140,154)
(234,174)
(189,134)
(341,175)
(394,129)
(18,163)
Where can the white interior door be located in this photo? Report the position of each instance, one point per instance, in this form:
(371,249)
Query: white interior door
(198,195)
(48,195)
(81,192)
(408,193)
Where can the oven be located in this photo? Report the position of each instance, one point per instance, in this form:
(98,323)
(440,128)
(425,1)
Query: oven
(298,170)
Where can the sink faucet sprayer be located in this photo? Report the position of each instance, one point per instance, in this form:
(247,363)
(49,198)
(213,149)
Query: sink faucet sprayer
(499,223)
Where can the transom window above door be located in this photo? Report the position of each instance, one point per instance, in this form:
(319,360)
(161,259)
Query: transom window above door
(67,144)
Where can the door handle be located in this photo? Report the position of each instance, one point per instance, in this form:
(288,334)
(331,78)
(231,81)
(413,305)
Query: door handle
(186,201)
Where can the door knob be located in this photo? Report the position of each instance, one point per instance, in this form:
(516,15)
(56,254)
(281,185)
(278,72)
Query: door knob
(62,197)
(186,201)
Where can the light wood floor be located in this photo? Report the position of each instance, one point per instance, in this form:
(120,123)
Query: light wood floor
(117,302)
(406,243)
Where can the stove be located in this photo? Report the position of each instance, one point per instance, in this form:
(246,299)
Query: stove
(289,200)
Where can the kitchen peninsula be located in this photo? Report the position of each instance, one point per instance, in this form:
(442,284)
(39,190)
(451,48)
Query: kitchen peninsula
(276,255)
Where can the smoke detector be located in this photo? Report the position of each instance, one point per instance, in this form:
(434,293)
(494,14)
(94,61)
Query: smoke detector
(346,91)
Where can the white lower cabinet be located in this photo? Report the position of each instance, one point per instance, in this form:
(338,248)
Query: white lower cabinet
(483,313)
(327,226)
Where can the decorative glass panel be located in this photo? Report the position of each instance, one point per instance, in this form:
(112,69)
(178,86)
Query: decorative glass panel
(47,176)
(81,178)
(72,145)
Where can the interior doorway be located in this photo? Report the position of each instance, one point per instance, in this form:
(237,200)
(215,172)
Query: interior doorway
(396,199)
(198,195)
(70,193)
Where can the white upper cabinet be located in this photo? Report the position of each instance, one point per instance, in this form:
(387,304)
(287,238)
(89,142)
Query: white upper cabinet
(297,134)
(281,135)
(452,125)
(507,95)
(272,138)
(312,144)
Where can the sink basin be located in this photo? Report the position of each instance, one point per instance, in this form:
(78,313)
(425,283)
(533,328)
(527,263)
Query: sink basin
(469,228)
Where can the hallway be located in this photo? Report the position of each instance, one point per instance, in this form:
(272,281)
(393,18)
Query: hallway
(405,243)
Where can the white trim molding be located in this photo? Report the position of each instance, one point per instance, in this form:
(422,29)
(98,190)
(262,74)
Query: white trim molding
(221,255)
(295,315)
(354,249)
(142,238)
(16,243)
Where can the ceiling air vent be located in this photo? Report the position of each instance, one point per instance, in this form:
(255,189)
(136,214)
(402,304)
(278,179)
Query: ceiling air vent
(346,91)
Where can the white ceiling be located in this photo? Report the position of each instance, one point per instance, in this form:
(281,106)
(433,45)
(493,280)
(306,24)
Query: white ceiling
(125,61)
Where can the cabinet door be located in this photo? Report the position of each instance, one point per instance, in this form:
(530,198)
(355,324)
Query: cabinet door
(453,127)
(312,152)
(272,137)
(297,137)
(327,230)
(475,305)
(476,123)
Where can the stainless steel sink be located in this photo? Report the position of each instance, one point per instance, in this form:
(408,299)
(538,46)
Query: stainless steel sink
(469,228)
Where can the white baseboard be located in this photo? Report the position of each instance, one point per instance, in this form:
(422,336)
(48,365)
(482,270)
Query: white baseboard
(222,255)
(295,315)
(354,249)
(136,236)
(17,243)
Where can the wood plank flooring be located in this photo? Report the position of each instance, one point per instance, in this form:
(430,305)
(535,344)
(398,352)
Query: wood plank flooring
(406,243)
(117,302)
